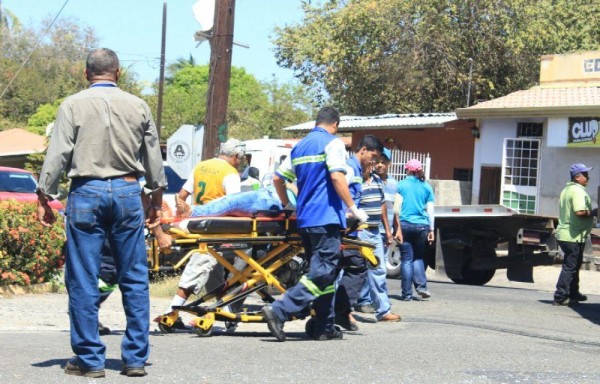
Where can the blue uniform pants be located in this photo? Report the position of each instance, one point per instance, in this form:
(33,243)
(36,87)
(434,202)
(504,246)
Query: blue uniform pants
(98,209)
(323,245)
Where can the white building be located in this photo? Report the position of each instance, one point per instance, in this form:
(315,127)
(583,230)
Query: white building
(528,139)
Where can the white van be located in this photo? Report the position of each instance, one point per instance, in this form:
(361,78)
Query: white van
(266,155)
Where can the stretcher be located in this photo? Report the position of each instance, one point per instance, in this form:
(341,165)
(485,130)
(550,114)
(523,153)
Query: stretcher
(276,261)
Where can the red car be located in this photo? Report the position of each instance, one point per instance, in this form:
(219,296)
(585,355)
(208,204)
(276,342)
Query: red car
(20,185)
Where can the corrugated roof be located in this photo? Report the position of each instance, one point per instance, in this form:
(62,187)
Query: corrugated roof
(539,101)
(389,121)
(20,142)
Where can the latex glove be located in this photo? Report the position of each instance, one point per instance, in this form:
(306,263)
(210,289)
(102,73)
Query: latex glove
(359,214)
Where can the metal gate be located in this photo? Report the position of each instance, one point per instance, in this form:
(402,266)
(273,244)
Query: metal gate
(520,169)
(399,158)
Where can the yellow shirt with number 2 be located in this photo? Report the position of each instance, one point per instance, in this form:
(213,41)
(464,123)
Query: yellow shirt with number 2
(208,180)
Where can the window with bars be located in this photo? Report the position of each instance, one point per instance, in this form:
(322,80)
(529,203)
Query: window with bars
(530,129)
(521,166)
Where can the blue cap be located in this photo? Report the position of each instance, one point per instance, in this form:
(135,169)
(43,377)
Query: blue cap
(579,168)
(387,153)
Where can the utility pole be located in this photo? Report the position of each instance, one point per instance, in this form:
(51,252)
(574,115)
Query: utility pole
(161,79)
(469,84)
(215,125)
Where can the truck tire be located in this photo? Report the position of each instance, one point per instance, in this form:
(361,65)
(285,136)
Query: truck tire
(392,261)
(474,276)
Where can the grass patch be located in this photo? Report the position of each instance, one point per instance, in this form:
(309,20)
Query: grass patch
(163,286)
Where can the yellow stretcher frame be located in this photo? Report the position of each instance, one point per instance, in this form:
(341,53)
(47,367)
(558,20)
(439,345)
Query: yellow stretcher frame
(257,274)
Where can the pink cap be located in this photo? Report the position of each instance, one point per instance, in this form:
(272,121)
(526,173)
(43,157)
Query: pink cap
(413,165)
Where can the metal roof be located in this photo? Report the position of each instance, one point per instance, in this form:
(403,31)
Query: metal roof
(539,101)
(20,142)
(389,121)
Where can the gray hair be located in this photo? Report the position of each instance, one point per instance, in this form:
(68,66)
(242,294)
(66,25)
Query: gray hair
(233,147)
(102,61)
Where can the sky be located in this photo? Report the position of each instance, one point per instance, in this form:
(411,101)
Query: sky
(132,28)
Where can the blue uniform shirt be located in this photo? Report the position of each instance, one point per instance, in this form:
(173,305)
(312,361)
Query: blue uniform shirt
(311,162)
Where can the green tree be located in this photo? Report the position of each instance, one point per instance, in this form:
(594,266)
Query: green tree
(178,65)
(254,110)
(54,69)
(385,56)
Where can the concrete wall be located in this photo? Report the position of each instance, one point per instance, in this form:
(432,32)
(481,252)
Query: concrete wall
(555,174)
(451,192)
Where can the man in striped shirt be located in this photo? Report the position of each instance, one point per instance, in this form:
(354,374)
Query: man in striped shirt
(372,201)
(367,193)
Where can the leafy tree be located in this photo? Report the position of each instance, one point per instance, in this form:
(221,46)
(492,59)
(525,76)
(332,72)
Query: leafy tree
(54,69)
(254,109)
(178,65)
(385,56)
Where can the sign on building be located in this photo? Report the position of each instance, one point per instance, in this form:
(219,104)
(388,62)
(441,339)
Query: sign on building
(583,132)
(184,149)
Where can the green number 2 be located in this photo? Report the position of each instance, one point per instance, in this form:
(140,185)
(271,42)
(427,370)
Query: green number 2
(202,189)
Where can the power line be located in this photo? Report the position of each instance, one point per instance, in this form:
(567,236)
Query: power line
(37,44)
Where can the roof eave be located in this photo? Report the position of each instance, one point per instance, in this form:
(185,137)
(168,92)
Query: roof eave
(477,113)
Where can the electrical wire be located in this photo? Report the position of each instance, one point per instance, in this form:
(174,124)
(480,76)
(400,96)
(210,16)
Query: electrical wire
(37,44)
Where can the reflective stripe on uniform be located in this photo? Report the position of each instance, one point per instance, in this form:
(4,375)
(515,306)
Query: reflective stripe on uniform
(103,287)
(312,288)
(309,159)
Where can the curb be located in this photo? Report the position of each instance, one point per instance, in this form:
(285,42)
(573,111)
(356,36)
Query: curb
(16,290)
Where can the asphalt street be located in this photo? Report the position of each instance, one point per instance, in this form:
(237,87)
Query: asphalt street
(463,334)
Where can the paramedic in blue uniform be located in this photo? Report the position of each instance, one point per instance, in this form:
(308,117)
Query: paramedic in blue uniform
(318,164)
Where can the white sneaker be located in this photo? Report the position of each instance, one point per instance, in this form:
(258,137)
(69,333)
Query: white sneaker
(424,294)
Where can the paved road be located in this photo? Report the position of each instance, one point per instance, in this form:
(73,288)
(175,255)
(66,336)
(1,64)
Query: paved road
(492,334)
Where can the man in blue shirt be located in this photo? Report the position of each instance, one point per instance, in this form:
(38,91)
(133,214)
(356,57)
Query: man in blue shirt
(318,163)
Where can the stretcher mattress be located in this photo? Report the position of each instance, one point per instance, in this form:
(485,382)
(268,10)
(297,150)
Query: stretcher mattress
(238,225)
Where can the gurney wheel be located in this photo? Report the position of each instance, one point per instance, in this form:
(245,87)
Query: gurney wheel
(203,332)
(310,327)
(165,328)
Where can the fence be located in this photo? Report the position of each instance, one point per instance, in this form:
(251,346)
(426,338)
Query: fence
(399,158)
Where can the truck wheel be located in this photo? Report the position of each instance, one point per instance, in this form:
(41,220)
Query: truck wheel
(474,276)
(392,261)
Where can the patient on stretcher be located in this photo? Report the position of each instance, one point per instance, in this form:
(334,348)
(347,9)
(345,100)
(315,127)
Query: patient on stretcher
(242,204)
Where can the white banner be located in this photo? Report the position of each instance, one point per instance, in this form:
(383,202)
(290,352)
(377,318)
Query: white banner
(184,149)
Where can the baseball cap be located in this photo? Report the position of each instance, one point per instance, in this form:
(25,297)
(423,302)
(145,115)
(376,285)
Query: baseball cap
(579,168)
(413,165)
(387,153)
(233,147)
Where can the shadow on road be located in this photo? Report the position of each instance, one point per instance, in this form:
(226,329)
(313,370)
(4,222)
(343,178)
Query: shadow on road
(110,364)
(588,311)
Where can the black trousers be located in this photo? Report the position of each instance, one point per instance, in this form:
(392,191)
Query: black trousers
(568,281)
(354,268)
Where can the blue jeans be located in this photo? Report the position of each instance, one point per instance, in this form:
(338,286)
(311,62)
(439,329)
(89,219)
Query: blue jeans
(322,244)
(415,240)
(99,209)
(365,295)
(377,277)
(240,204)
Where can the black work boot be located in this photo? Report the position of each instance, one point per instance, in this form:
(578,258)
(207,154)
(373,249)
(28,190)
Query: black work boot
(336,334)
(275,325)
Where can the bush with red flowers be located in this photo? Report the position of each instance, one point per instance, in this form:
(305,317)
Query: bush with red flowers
(29,253)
